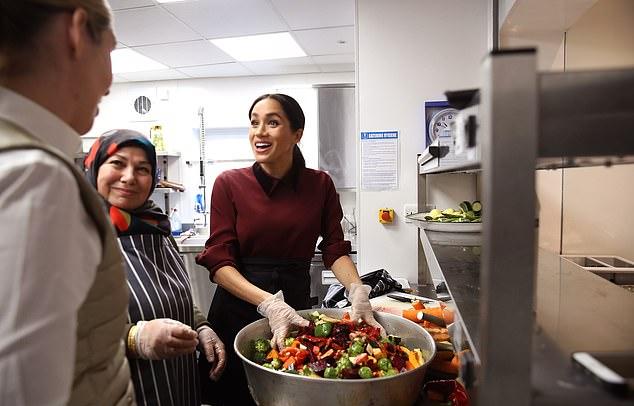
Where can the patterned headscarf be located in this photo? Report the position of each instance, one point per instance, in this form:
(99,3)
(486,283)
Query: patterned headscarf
(147,219)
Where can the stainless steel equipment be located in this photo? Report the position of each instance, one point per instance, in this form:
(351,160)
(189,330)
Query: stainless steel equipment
(273,388)
(337,141)
(203,289)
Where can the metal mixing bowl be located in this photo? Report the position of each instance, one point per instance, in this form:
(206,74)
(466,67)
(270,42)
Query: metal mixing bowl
(273,388)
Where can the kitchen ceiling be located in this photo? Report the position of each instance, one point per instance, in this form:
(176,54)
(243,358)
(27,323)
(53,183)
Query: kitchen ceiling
(177,35)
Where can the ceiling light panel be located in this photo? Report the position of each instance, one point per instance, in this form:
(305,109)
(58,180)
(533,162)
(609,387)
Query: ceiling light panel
(260,47)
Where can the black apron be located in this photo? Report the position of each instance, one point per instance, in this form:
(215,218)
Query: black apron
(229,314)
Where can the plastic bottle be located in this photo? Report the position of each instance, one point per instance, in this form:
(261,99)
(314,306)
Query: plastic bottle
(156,137)
(176,226)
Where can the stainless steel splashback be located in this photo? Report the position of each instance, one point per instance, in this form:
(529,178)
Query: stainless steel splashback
(337,134)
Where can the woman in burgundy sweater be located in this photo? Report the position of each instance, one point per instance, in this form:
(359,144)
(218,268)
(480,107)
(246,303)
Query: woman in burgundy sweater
(265,222)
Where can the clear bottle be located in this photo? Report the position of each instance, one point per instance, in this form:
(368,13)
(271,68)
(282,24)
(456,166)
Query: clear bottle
(176,226)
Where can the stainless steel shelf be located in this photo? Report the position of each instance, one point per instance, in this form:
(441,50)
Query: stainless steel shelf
(545,164)
(585,119)
(463,168)
(165,190)
(528,120)
(168,153)
(460,266)
(562,289)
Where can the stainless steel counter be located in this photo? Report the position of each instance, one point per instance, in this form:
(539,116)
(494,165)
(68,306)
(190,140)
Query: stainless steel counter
(203,289)
(574,309)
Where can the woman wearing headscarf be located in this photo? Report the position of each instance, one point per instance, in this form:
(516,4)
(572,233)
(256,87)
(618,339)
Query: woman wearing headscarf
(165,327)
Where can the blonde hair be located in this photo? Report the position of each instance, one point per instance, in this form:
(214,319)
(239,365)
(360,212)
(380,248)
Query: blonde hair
(21,21)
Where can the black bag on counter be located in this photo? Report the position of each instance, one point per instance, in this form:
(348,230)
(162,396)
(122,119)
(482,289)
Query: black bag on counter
(381,282)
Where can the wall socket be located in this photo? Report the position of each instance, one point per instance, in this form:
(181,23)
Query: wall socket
(409,209)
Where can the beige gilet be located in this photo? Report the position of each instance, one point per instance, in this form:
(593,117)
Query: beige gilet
(101,375)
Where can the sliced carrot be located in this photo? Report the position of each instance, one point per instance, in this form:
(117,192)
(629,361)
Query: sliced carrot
(448,367)
(418,305)
(290,361)
(419,356)
(444,355)
(455,361)
(287,352)
(412,315)
(409,366)
(411,357)
(448,316)
(273,354)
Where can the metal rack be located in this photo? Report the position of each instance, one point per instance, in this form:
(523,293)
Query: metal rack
(528,120)
(163,160)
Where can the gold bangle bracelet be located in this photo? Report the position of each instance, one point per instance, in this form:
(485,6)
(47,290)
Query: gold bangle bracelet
(132,340)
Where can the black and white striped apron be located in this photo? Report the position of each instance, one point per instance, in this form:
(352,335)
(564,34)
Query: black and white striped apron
(160,288)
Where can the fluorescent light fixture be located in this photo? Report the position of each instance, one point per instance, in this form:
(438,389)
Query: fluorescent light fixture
(170,1)
(125,60)
(260,47)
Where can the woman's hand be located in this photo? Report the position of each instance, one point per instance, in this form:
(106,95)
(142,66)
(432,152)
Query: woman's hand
(164,338)
(359,296)
(281,316)
(214,350)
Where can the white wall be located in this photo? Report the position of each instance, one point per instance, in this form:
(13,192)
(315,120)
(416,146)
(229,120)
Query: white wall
(226,102)
(409,51)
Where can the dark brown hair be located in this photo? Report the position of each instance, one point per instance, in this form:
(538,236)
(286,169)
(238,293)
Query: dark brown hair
(295,116)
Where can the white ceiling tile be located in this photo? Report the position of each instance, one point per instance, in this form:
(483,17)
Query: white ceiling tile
(118,79)
(337,67)
(181,54)
(223,18)
(165,74)
(150,25)
(218,70)
(123,4)
(326,41)
(282,66)
(304,14)
(335,63)
(339,58)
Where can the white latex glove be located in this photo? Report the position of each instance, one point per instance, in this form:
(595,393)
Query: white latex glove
(214,350)
(164,338)
(281,316)
(359,296)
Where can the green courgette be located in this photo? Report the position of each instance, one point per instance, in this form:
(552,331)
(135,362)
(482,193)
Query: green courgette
(477,207)
(465,206)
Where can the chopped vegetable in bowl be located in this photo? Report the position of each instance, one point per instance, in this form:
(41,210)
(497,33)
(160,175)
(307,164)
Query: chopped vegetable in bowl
(338,349)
